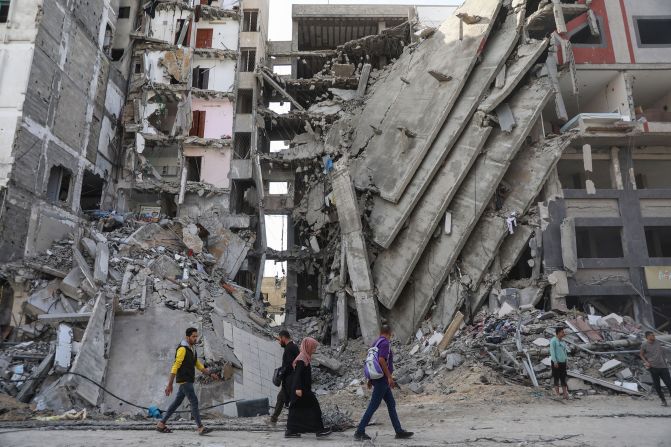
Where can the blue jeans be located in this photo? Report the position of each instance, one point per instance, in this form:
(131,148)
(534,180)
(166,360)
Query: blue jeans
(185,390)
(381,391)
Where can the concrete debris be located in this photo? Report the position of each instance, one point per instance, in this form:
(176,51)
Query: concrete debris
(160,268)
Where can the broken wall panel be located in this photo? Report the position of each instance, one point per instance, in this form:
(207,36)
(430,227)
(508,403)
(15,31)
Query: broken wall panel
(387,218)
(467,206)
(394,129)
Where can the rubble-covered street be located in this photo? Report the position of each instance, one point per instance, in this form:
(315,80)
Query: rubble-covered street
(484,183)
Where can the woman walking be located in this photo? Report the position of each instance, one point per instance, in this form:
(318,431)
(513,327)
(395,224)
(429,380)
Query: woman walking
(558,357)
(305,415)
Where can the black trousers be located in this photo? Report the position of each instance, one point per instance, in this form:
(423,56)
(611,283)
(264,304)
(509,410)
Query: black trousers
(663,374)
(559,374)
(281,402)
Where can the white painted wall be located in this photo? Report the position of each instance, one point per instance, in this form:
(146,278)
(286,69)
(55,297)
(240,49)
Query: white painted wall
(17,44)
(164,25)
(648,8)
(215,165)
(222,73)
(154,70)
(612,97)
(224,34)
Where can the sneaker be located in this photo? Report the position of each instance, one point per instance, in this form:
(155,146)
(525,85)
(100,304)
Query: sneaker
(361,436)
(290,434)
(272,421)
(664,404)
(324,433)
(404,434)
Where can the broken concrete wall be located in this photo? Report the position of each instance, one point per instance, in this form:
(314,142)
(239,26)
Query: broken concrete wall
(61,116)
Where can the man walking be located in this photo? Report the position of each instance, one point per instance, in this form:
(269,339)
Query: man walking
(652,355)
(558,357)
(184,370)
(382,389)
(290,354)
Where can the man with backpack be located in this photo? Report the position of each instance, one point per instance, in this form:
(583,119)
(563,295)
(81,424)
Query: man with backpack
(378,368)
(288,357)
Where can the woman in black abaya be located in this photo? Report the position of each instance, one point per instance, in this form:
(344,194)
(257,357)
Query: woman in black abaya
(305,415)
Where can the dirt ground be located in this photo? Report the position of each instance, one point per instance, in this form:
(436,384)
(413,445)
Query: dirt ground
(486,415)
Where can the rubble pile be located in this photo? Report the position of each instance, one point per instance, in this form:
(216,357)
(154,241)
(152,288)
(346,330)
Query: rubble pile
(77,286)
(507,347)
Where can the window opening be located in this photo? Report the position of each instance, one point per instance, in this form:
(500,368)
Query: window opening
(58,186)
(599,242)
(193,168)
(658,240)
(250,21)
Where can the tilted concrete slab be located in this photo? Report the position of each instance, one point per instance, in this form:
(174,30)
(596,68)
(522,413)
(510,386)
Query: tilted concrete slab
(526,176)
(396,130)
(393,266)
(358,265)
(387,218)
(527,54)
(466,207)
(509,253)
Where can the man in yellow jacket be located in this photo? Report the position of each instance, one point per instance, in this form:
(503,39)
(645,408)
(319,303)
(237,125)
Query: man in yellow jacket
(184,370)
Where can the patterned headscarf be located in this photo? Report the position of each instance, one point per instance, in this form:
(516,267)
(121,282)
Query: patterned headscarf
(308,347)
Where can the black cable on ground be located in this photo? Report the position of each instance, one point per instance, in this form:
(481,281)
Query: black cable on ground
(119,398)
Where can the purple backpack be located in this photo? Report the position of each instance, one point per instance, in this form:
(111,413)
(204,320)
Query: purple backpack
(371,367)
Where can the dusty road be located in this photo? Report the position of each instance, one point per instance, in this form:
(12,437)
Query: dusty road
(537,421)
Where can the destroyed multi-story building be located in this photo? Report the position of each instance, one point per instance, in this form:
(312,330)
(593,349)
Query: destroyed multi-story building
(61,95)
(190,113)
(441,218)
(406,163)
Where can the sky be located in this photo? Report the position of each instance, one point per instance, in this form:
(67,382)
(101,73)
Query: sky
(279,27)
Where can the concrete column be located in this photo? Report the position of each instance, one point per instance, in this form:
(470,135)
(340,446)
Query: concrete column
(292,278)
(643,311)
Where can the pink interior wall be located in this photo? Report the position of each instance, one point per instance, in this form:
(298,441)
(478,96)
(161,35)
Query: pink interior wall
(218,117)
(215,165)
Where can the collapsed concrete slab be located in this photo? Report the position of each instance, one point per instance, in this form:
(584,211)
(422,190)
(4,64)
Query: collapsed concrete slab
(526,177)
(397,130)
(356,252)
(526,55)
(393,266)
(509,253)
(466,207)
(387,218)
(230,251)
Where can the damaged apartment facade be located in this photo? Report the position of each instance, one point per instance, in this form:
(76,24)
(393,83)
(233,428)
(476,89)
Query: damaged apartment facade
(512,155)
(60,99)
(188,119)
